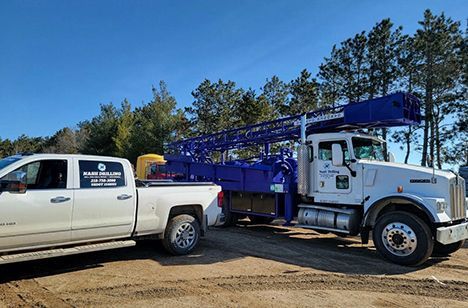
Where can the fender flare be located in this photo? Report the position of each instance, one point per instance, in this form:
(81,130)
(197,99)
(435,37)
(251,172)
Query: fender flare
(371,214)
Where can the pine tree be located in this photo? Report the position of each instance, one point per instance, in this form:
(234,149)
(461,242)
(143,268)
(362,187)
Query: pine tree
(102,130)
(438,45)
(276,94)
(155,124)
(304,93)
(407,137)
(213,107)
(124,130)
(63,141)
(382,62)
(343,74)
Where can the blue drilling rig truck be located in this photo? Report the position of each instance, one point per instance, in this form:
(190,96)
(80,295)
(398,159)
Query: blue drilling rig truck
(328,175)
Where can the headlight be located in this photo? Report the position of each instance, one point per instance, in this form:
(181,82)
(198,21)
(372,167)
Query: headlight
(441,206)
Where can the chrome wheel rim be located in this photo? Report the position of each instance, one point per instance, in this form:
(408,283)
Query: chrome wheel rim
(185,235)
(399,239)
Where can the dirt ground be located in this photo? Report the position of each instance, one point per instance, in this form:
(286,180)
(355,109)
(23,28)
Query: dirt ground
(247,265)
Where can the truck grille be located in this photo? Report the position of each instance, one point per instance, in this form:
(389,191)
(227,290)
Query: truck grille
(457,199)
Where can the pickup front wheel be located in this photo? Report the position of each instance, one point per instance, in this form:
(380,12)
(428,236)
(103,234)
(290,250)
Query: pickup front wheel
(182,234)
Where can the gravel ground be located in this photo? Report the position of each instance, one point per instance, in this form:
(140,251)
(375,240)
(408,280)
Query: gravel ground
(247,265)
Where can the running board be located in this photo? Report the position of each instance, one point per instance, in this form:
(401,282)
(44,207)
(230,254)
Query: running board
(59,252)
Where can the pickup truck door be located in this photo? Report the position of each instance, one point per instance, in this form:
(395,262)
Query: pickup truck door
(105,201)
(41,215)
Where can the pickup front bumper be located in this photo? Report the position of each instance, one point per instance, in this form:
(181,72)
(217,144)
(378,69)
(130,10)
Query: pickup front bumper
(452,234)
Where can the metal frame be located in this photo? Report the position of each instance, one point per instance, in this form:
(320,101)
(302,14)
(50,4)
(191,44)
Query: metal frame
(193,157)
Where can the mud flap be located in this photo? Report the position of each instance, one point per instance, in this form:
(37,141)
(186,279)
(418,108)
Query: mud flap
(204,225)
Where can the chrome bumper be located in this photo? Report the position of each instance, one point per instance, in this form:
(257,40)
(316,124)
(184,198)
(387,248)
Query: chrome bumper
(452,234)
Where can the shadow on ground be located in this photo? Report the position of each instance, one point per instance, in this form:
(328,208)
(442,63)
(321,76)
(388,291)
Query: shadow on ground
(304,248)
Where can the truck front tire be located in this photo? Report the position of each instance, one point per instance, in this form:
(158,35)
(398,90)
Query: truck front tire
(441,250)
(403,238)
(182,234)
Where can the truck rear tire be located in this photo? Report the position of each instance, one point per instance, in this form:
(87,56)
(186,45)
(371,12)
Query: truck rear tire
(403,238)
(441,250)
(182,234)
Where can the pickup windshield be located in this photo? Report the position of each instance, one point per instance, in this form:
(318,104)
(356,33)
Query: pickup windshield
(8,161)
(367,148)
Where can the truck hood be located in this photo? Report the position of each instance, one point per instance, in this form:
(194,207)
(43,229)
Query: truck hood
(428,185)
(409,169)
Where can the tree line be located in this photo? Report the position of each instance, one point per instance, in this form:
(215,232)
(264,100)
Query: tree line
(430,63)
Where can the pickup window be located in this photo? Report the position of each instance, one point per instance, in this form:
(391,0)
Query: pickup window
(46,174)
(101,174)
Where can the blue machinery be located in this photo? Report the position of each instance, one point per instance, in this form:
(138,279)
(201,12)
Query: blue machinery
(266,185)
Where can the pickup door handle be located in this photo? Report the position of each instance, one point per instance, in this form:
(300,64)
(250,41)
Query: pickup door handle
(124,197)
(59,199)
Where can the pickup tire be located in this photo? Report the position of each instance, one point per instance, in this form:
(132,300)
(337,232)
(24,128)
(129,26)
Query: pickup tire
(441,250)
(182,234)
(403,238)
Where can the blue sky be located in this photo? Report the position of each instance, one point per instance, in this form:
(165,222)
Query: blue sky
(60,59)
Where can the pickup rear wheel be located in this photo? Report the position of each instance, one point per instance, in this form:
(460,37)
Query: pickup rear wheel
(403,238)
(182,234)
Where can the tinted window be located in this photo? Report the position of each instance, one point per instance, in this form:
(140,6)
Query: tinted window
(101,174)
(325,149)
(46,174)
(368,148)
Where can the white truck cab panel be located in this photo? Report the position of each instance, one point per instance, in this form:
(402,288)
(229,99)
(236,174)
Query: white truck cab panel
(43,214)
(330,183)
(104,198)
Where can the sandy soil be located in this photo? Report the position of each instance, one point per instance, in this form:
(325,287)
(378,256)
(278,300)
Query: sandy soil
(242,266)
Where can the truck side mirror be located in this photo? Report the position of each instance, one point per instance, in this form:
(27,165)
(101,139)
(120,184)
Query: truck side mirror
(337,155)
(391,157)
(14,182)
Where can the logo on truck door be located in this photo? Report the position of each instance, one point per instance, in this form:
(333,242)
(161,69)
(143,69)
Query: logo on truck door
(96,174)
(101,167)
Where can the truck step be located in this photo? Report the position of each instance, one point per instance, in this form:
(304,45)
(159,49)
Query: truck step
(59,252)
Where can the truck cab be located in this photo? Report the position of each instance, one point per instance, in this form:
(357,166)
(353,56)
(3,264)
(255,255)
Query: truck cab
(350,188)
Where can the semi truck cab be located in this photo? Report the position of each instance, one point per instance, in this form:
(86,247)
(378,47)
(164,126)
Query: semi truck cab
(349,187)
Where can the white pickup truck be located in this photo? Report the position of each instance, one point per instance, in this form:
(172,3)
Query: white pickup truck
(54,205)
